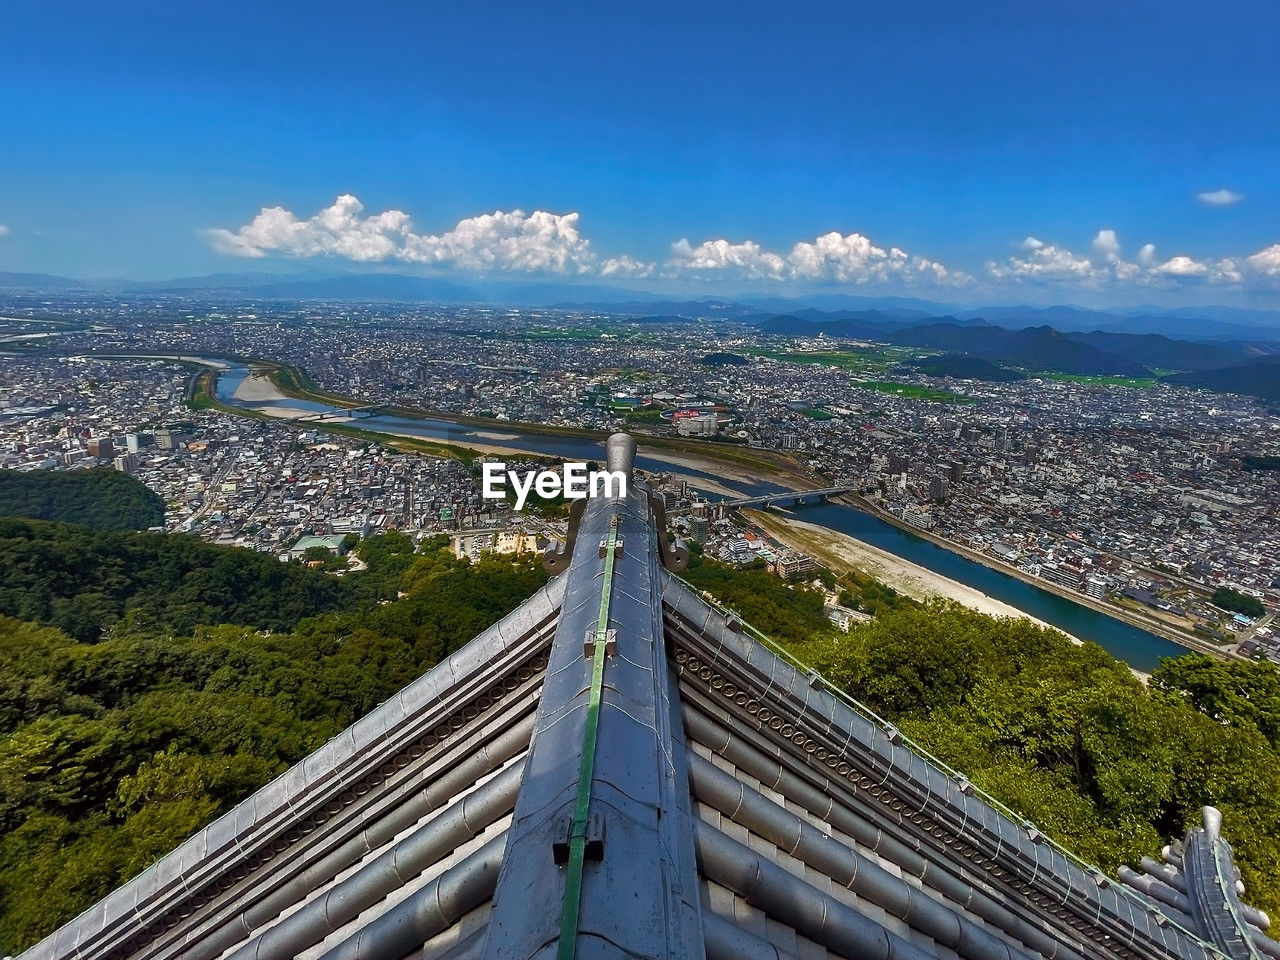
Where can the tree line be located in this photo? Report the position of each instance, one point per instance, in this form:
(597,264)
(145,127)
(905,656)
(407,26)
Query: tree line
(199,673)
(101,497)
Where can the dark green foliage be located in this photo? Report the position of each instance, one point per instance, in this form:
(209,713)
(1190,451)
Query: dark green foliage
(789,614)
(1254,461)
(85,581)
(113,752)
(102,497)
(1066,736)
(1255,378)
(1231,693)
(861,592)
(1233,600)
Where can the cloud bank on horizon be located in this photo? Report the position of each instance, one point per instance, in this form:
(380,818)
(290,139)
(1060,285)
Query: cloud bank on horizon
(551,243)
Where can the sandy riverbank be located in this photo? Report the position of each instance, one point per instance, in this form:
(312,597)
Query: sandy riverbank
(1135,618)
(841,552)
(258,388)
(725,469)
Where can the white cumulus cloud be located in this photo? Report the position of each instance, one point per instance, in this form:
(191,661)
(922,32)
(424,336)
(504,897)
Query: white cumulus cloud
(1047,262)
(1043,261)
(843,258)
(539,241)
(626,266)
(4,231)
(1107,245)
(544,242)
(747,257)
(1220,198)
(1181,267)
(1266,262)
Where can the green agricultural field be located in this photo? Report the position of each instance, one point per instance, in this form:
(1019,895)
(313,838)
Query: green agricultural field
(914,392)
(1138,382)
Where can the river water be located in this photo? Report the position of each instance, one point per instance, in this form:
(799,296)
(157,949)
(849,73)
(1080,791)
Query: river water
(1139,648)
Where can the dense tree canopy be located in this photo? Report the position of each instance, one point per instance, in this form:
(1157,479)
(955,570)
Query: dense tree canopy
(101,497)
(86,581)
(1068,737)
(789,614)
(1234,600)
(112,752)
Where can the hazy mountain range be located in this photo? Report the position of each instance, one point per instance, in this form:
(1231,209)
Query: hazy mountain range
(1220,348)
(1199,323)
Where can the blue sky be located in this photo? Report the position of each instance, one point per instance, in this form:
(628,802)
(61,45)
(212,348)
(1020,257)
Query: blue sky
(956,151)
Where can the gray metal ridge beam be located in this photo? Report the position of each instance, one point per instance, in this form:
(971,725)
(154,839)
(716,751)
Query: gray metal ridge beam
(250,828)
(641,898)
(1213,891)
(915,791)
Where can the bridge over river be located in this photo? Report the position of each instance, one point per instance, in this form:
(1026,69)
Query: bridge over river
(343,413)
(791,497)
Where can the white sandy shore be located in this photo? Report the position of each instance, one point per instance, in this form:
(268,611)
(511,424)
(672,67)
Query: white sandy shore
(490,435)
(258,388)
(904,576)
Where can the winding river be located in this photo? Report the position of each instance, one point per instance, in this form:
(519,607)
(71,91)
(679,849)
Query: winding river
(1139,648)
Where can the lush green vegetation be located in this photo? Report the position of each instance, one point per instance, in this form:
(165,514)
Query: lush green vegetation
(188,675)
(788,613)
(1063,734)
(914,391)
(1097,380)
(861,592)
(101,497)
(1069,738)
(86,582)
(113,752)
(1238,602)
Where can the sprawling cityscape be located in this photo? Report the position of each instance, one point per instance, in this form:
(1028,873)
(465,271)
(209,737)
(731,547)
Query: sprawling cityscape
(1133,496)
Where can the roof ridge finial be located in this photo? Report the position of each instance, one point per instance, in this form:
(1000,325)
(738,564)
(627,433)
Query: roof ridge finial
(620,454)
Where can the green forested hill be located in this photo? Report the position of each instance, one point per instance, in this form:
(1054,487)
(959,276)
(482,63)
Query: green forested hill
(113,752)
(84,581)
(101,497)
(1064,734)
(1070,739)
